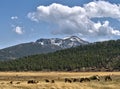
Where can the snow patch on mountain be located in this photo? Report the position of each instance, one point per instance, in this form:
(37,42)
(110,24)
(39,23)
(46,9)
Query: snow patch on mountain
(67,42)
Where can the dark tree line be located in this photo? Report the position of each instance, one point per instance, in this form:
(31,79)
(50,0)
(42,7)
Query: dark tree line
(99,56)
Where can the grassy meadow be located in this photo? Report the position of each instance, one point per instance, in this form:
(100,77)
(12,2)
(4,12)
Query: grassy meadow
(19,80)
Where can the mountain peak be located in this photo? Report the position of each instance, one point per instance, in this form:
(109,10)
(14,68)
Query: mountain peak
(66,42)
(73,38)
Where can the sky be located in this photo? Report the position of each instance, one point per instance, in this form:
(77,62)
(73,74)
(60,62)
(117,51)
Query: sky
(24,21)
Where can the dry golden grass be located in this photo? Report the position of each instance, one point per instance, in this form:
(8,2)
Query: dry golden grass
(20,80)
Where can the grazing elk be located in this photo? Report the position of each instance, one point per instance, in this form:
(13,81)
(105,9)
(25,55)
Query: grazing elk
(68,80)
(75,80)
(11,82)
(32,82)
(84,80)
(52,81)
(108,78)
(95,77)
(17,82)
(46,80)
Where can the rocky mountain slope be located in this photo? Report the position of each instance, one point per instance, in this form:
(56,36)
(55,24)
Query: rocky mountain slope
(40,46)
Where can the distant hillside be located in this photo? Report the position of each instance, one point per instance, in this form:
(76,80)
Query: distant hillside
(100,56)
(25,49)
(40,46)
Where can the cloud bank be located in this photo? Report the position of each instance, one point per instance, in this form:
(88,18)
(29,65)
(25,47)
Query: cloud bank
(77,20)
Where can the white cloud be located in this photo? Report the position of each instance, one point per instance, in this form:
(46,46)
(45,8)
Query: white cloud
(102,9)
(72,20)
(18,30)
(14,17)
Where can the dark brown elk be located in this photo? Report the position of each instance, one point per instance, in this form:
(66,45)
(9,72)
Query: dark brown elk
(52,81)
(18,83)
(108,78)
(75,80)
(11,82)
(46,80)
(68,80)
(95,77)
(84,80)
(32,82)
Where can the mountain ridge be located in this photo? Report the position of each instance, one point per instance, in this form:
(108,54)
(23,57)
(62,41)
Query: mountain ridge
(71,41)
(41,45)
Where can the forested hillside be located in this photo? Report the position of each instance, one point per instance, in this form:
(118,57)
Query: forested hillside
(99,56)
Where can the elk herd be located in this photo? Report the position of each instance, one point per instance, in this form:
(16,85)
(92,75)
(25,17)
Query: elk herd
(70,80)
(87,79)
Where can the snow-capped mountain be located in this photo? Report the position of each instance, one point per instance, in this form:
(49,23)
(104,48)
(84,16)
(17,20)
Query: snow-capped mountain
(67,42)
(40,46)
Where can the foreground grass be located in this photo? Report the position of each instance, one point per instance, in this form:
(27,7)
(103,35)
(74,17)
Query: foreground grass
(23,77)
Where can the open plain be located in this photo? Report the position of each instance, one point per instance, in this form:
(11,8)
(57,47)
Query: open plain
(56,80)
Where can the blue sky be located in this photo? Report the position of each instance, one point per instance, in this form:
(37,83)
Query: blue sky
(24,21)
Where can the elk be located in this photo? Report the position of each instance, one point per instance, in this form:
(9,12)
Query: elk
(95,77)
(84,80)
(108,78)
(32,82)
(67,80)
